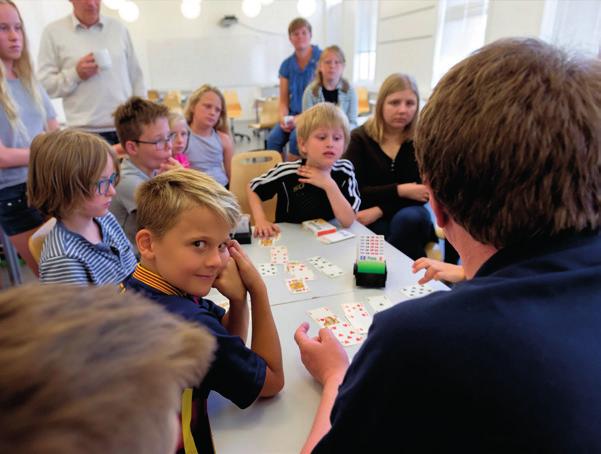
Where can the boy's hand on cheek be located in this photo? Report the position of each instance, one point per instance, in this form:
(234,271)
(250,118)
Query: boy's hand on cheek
(249,274)
(230,284)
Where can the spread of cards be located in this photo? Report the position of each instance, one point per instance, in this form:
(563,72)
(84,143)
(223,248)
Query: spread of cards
(352,326)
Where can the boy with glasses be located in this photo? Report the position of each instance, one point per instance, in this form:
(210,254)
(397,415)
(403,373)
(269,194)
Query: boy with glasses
(72,176)
(143,130)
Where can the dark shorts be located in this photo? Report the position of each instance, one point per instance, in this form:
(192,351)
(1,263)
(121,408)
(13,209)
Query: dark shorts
(15,216)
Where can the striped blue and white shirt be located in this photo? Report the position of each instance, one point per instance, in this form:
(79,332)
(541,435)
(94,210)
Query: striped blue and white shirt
(298,202)
(68,257)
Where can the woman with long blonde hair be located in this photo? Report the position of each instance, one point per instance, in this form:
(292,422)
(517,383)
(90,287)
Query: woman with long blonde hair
(392,194)
(25,111)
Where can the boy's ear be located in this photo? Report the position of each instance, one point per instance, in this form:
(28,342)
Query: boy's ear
(301,144)
(442,218)
(131,148)
(145,244)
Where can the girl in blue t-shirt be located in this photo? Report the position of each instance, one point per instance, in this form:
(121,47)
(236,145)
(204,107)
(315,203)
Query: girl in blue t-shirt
(25,111)
(210,146)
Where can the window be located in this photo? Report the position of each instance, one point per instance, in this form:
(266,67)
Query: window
(461,30)
(364,62)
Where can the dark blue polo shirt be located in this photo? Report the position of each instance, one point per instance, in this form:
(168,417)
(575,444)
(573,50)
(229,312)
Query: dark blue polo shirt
(237,373)
(509,361)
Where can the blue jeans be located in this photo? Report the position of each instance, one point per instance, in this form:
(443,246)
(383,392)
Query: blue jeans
(278,138)
(409,230)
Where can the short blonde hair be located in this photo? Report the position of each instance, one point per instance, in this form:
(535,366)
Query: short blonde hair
(394,83)
(174,117)
(64,167)
(172,192)
(322,115)
(297,23)
(222,125)
(93,371)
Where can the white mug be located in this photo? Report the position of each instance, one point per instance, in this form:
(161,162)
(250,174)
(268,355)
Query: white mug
(289,120)
(102,57)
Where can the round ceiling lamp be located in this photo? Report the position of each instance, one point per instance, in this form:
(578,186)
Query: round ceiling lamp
(251,8)
(190,9)
(129,11)
(306,8)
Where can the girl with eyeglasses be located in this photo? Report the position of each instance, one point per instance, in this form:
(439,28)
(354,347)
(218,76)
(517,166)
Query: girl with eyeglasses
(25,111)
(72,177)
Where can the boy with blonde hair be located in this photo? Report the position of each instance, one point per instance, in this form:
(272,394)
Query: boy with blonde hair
(144,134)
(72,176)
(93,371)
(184,252)
(320,185)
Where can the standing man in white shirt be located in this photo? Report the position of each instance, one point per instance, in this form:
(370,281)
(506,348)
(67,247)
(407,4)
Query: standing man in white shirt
(74,65)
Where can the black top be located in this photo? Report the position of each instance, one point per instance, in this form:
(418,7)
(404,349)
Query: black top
(378,175)
(330,95)
(298,202)
(509,361)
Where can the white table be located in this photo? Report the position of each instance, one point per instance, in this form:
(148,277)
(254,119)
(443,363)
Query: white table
(281,424)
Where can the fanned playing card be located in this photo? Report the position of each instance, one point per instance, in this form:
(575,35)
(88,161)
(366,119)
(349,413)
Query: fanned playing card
(324,317)
(379,303)
(416,291)
(358,316)
(325,266)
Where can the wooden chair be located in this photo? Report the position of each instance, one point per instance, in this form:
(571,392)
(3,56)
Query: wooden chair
(173,100)
(153,95)
(245,167)
(234,111)
(363,101)
(269,116)
(36,241)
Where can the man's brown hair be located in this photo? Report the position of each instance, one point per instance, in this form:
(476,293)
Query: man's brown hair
(64,167)
(297,23)
(135,113)
(510,142)
(87,370)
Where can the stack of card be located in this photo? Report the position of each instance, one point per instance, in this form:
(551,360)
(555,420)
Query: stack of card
(370,256)
(326,267)
(319,227)
(335,237)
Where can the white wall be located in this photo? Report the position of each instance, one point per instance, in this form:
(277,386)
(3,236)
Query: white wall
(514,18)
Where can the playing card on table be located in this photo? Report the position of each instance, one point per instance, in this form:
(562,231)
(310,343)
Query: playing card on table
(379,303)
(416,291)
(346,334)
(326,267)
(269,241)
(279,254)
(299,270)
(358,316)
(268,269)
(324,317)
(297,285)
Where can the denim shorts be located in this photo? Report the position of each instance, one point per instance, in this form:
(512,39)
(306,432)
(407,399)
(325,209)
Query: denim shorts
(15,216)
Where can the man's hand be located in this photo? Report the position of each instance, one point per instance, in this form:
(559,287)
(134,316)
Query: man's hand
(86,67)
(323,356)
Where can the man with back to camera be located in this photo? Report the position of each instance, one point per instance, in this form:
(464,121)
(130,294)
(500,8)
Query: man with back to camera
(509,146)
(89,61)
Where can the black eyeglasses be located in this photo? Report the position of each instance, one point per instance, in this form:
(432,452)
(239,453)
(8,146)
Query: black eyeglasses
(160,144)
(104,184)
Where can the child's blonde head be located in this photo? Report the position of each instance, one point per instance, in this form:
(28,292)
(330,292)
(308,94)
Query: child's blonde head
(174,118)
(194,98)
(162,199)
(64,167)
(318,81)
(322,115)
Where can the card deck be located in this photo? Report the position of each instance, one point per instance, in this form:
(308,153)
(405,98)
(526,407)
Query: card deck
(324,317)
(297,285)
(268,269)
(379,303)
(358,316)
(340,235)
(416,291)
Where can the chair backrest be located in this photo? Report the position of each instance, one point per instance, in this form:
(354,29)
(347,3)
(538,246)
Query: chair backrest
(269,115)
(232,104)
(153,95)
(245,167)
(363,100)
(36,241)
